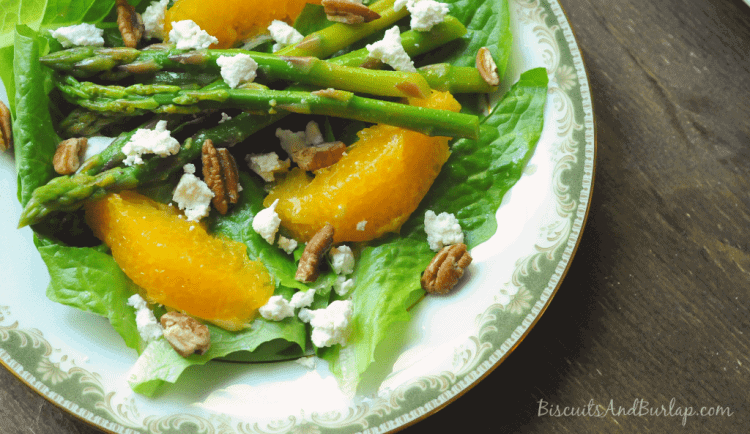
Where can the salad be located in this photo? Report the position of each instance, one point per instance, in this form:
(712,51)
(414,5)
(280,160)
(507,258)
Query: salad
(361,290)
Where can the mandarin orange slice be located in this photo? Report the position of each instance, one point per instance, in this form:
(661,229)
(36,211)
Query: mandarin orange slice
(372,189)
(177,263)
(231,21)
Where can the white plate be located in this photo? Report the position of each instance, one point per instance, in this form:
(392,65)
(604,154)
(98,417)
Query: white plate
(76,360)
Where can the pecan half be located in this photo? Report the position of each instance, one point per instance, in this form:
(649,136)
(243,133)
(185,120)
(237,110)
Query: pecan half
(186,335)
(6,132)
(315,250)
(317,157)
(445,269)
(348,12)
(68,155)
(221,175)
(130,24)
(487,67)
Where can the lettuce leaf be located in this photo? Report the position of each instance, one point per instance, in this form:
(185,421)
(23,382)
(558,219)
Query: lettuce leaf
(471,185)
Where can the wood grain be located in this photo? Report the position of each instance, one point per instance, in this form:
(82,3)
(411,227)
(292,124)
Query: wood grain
(655,304)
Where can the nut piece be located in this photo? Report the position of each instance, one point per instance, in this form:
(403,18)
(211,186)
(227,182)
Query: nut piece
(315,250)
(68,155)
(6,132)
(317,157)
(445,269)
(348,12)
(221,175)
(186,335)
(487,67)
(130,24)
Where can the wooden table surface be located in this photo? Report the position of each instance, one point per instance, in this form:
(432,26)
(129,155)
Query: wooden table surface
(654,309)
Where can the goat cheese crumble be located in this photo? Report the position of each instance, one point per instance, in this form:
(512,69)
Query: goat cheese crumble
(266,222)
(157,141)
(148,327)
(153,19)
(283,34)
(192,195)
(186,35)
(237,69)
(79,35)
(330,325)
(276,309)
(361,225)
(442,230)
(302,299)
(267,165)
(390,51)
(342,285)
(342,260)
(425,14)
(287,244)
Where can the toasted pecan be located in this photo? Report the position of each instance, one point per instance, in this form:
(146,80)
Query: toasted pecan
(130,24)
(186,335)
(221,175)
(348,12)
(445,269)
(68,155)
(317,157)
(315,250)
(6,132)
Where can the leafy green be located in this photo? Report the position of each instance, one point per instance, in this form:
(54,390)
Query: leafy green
(35,140)
(89,279)
(471,185)
(160,364)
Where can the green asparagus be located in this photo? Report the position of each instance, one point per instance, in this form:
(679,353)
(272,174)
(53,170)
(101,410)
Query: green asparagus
(306,70)
(330,102)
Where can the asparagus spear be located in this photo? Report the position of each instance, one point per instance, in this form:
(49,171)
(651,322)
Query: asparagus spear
(338,36)
(330,102)
(306,70)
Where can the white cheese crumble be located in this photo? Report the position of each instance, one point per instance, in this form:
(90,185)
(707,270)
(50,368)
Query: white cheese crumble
(390,51)
(157,141)
(313,136)
(283,34)
(237,69)
(330,325)
(287,244)
(148,327)
(361,225)
(266,222)
(290,141)
(276,309)
(224,117)
(79,34)
(153,19)
(186,35)
(267,165)
(342,260)
(302,299)
(442,230)
(342,285)
(425,14)
(192,195)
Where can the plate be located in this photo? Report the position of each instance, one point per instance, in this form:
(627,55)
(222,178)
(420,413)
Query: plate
(68,356)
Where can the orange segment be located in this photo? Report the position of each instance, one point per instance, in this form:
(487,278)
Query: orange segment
(380,181)
(233,20)
(177,263)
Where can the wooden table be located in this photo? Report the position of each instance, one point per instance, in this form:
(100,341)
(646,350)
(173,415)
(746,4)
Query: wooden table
(654,308)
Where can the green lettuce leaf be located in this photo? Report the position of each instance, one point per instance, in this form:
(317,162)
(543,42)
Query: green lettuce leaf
(471,185)
(89,279)
(160,364)
(35,140)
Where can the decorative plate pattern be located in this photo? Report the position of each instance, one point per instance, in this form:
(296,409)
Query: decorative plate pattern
(75,360)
